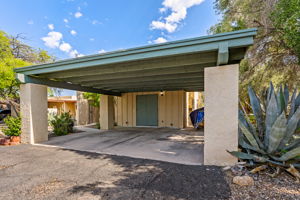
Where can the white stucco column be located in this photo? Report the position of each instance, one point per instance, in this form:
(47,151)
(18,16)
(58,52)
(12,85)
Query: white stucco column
(106,112)
(221,114)
(33,101)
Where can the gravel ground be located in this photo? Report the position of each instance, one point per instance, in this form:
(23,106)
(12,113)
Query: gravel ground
(33,172)
(265,187)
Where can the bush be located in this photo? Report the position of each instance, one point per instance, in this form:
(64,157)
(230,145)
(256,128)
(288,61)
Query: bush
(13,126)
(62,124)
(98,125)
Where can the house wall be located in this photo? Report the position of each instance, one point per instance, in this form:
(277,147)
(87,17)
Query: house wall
(64,107)
(171,109)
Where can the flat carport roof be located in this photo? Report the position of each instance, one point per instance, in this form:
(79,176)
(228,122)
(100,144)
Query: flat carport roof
(177,65)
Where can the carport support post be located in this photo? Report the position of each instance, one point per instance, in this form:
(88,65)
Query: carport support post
(33,102)
(106,112)
(221,114)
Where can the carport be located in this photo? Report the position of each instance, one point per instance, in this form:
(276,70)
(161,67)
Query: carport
(209,64)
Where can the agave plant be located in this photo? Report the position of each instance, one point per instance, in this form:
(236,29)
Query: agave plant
(272,138)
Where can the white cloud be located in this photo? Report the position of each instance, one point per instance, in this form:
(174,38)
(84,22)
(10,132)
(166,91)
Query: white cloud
(78,14)
(178,13)
(163,26)
(73,32)
(53,39)
(66,20)
(74,54)
(95,22)
(160,40)
(92,39)
(66,47)
(30,22)
(162,10)
(51,26)
(101,51)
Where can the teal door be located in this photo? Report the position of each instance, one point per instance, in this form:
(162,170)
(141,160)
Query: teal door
(146,110)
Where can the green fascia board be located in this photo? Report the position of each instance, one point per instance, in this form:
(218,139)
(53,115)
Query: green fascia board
(242,38)
(58,84)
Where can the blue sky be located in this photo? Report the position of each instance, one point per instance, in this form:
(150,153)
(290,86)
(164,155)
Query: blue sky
(69,28)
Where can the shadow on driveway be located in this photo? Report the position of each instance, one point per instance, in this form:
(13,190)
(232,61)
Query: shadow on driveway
(35,172)
(148,179)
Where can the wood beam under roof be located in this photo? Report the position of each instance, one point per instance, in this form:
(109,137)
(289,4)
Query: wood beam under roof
(138,66)
(151,83)
(58,84)
(145,73)
(176,76)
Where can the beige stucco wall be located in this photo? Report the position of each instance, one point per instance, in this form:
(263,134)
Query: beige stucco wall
(221,114)
(171,109)
(106,112)
(33,101)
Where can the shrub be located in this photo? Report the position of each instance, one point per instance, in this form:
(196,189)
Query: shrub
(98,125)
(272,139)
(62,124)
(13,126)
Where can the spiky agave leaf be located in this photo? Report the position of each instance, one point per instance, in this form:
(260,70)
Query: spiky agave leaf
(293,106)
(270,92)
(291,128)
(271,116)
(286,95)
(255,104)
(245,145)
(295,143)
(282,147)
(280,101)
(248,135)
(245,121)
(277,133)
(247,156)
(290,154)
(297,101)
(297,104)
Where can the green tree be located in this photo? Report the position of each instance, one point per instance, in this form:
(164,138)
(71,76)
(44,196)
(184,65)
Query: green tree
(14,54)
(275,53)
(286,18)
(93,98)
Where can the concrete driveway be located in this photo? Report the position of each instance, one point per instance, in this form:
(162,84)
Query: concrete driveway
(33,172)
(164,144)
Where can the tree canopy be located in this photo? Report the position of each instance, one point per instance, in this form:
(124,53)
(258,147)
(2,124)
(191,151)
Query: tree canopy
(276,50)
(13,54)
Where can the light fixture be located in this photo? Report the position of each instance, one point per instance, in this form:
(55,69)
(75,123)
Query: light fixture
(162,93)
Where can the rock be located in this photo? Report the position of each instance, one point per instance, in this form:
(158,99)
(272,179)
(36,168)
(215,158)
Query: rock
(4,141)
(243,180)
(226,168)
